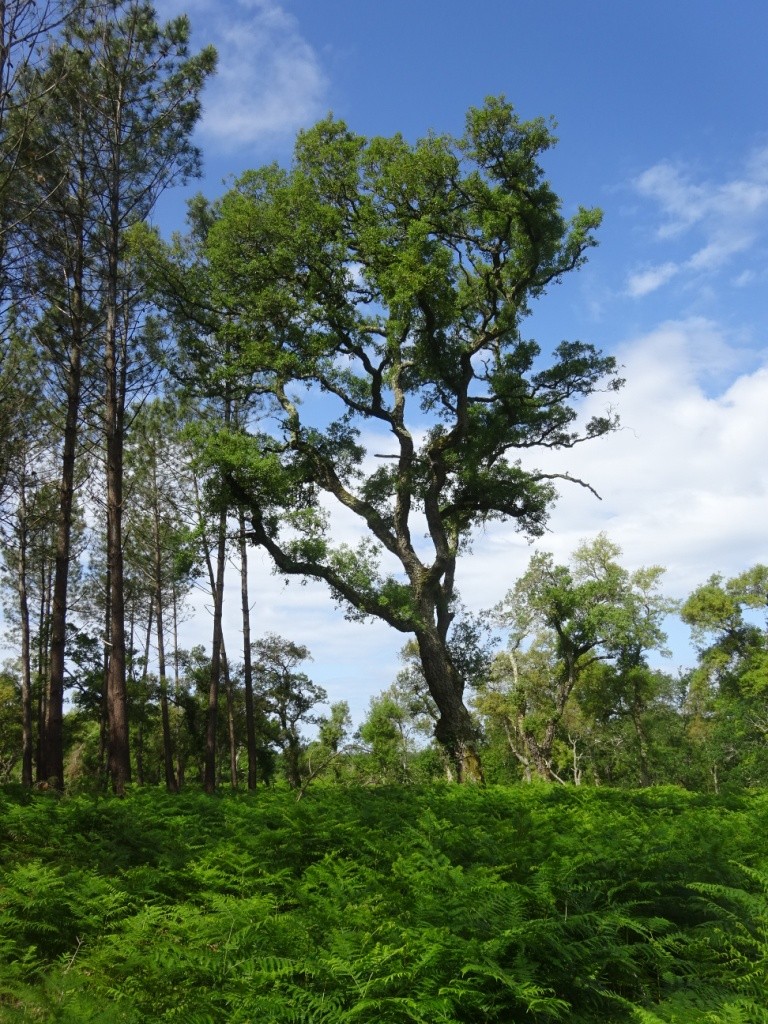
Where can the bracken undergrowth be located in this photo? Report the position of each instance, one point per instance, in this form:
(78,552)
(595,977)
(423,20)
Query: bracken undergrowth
(440,905)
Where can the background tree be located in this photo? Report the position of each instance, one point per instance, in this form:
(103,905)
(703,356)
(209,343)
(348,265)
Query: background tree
(12,740)
(392,281)
(245,608)
(562,620)
(27,29)
(288,695)
(626,726)
(26,26)
(203,377)
(728,690)
(324,757)
(21,406)
(27,555)
(397,729)
(116,99)
(27,519)
(60,230)
(144,93)
(213,537)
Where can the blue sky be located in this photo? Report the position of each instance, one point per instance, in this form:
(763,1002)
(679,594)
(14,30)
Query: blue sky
(662,113)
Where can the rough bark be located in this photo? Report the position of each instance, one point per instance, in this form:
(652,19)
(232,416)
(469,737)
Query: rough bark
(43,659)
(26,666)
(171,783)
(170,776)
(143,684)
(119,760)
(540,749)
(104,717)
(181,762)
(454,729)
(231,732)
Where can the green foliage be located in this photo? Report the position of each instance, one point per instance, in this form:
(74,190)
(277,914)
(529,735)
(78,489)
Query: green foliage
(728,693)
(441,904)
(289,696)
(576,666)
(396,731)
(10,725)
(389,282)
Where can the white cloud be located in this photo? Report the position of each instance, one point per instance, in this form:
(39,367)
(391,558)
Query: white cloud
(269,81)
(643,282)
(685,482)
(745,278)
(686,203)
(683,202)
(716,221)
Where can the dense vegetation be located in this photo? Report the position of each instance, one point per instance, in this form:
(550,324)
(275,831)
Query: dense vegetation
(442,904)
(152,427)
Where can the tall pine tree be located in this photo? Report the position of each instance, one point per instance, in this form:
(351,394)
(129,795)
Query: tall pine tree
(123,114)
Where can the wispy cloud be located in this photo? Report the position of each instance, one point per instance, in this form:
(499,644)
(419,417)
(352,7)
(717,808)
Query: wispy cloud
(643,282)
(270,81)
(715,221)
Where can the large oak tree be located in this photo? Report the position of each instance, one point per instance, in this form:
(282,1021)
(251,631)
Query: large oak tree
(377,292)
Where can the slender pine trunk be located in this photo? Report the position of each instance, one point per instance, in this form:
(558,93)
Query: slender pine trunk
(52,738)
(180,759)
(43,662)
(231,731)
(170,777)
(114,419)
(26,658)
(143,683)
(117,698)
(250,721)
(213,691)
(104,716)
(217,590)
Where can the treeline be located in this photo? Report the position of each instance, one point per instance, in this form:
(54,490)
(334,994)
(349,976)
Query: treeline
(345,332)
(562,692)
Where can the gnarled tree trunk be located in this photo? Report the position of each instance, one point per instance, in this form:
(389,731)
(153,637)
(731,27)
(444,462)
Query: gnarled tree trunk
(455,729)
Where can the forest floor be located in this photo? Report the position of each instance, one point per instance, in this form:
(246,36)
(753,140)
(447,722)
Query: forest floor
(439,905)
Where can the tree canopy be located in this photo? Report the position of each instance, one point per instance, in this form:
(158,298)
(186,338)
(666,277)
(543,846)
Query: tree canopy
(563,621)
